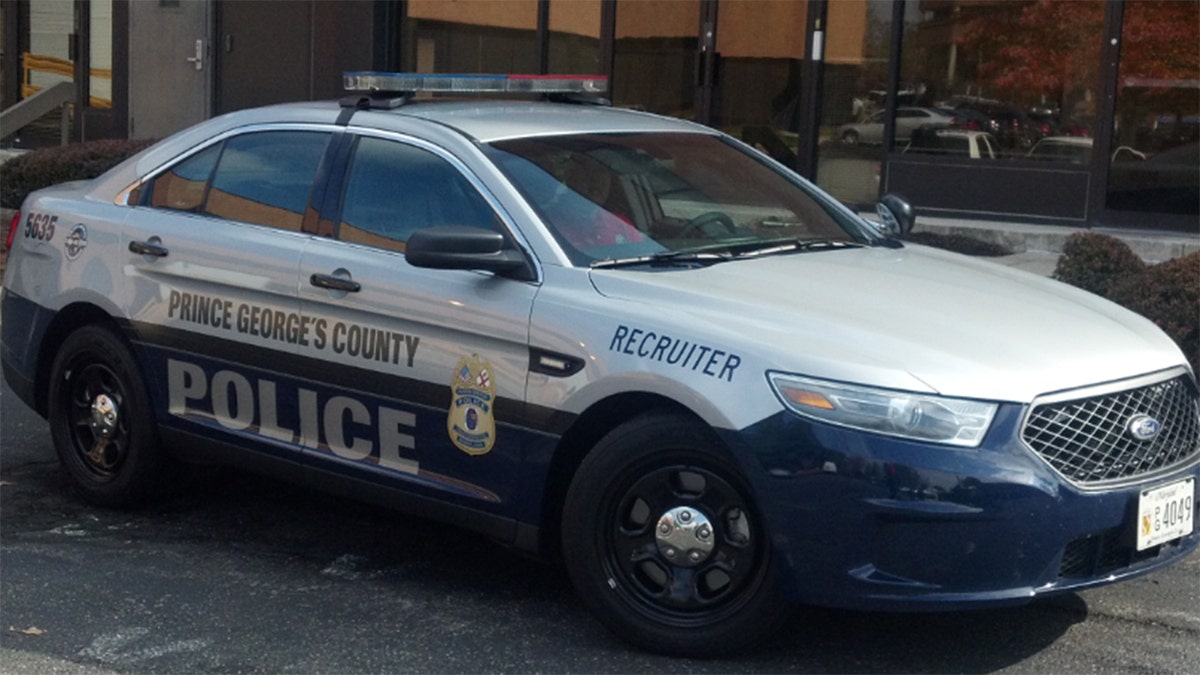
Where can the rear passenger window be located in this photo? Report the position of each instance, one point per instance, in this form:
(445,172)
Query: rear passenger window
(182,187)
(395,189)
(263,178)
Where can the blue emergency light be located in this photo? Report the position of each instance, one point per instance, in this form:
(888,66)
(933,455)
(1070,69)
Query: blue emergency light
(367,81)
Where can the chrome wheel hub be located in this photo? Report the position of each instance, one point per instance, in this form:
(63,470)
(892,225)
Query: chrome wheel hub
(105,416)
(685,536)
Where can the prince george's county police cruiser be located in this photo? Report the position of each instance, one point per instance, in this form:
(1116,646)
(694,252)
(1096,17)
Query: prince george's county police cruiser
(619,339)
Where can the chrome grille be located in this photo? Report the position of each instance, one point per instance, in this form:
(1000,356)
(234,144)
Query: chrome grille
(1087,439)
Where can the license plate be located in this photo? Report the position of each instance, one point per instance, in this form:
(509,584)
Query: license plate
(1166,513)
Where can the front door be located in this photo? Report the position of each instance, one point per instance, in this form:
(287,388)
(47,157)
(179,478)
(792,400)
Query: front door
(424,370)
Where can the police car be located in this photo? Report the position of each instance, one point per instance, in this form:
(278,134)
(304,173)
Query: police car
(620,339)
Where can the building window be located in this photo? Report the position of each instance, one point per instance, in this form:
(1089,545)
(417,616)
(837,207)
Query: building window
(762,49)
(575,37)
(481,36)
(1155,163)
(858,43)
(1020,71)
(655,55)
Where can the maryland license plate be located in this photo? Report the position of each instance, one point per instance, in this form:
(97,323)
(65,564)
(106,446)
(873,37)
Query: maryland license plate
(1166,513)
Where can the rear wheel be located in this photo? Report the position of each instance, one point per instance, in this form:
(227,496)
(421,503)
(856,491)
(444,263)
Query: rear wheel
(850,137)
(664,543)
(101,421)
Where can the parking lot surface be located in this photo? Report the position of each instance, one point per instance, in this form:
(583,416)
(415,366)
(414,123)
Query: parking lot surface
(235,573)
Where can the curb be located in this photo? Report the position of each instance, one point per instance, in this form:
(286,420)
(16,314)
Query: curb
(1152,247)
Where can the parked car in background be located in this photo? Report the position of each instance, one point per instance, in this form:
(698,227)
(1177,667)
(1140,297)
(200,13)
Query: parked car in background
(907,119)
(1168,181)
(1045,121)
(1011,126)
(967,119)
(959,143)
(1077,150)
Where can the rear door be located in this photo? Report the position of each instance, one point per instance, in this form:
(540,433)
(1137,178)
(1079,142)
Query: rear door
(212,256)
(170,73)
(427,367)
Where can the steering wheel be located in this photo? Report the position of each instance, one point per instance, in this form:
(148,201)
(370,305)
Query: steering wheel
(705,223)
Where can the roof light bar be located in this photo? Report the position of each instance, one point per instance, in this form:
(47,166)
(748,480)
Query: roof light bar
(469,84)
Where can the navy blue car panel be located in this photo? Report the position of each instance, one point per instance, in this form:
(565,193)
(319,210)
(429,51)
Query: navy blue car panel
(870,522)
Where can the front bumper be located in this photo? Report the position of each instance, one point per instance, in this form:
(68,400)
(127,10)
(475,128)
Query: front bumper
(868,522)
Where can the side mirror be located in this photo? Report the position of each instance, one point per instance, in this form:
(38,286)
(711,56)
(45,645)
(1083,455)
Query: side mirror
(896,215)
(454,247)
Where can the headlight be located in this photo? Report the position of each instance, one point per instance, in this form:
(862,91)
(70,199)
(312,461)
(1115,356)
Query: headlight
(922,417)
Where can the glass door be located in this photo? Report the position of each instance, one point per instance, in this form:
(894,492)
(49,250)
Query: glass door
(1154,163)
(756,95)
(655,56)
(854,94)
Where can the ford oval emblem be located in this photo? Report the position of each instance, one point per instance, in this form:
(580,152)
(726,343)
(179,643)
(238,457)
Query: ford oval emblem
(1143,427)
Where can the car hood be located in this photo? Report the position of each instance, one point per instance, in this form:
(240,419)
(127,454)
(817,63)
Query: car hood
(910,318)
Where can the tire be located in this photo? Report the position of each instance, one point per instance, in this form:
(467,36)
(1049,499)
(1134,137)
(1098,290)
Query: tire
(101,420)
(638,579)
(850,137)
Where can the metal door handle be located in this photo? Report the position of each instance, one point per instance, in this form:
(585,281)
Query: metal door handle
(198,59)
(148,248)
(335,283)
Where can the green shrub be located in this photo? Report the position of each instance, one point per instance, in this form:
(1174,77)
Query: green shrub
(49,166)
(1169,295)
(1094,262)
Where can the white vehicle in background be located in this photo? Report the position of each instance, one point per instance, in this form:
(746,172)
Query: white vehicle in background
(953,142)
(908,119)
(1077,150)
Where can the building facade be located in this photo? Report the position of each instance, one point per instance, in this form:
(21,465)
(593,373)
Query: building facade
(1068,112)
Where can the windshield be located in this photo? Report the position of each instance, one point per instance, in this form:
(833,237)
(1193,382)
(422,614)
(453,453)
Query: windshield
(621,196)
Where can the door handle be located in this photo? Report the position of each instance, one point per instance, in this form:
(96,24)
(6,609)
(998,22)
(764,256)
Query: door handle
(335,283)
(148,248)
(198,59)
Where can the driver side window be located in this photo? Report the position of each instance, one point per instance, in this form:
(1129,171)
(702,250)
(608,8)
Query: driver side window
(394,189)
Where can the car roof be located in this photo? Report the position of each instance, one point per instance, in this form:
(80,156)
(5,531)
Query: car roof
(481,120)
(489,121)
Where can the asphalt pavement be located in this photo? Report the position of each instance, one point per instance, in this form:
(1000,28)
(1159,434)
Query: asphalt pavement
(239,574)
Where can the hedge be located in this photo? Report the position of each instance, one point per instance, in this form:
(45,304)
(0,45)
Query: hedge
(1167,293)
(49,166)
(1094,262)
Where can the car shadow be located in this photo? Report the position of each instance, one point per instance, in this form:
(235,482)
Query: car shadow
(446,559)
(526,605)
(835,641)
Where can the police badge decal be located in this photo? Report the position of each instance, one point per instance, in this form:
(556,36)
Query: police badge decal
(472,422)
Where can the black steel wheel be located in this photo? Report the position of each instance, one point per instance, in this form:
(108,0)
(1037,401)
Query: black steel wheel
(100,419)
(664,543)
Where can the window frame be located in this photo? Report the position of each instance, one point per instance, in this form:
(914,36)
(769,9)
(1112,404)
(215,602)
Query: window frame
(139,194)
(336,192)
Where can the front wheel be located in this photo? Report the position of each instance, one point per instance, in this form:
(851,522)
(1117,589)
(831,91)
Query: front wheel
(101,421)
(664,543)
